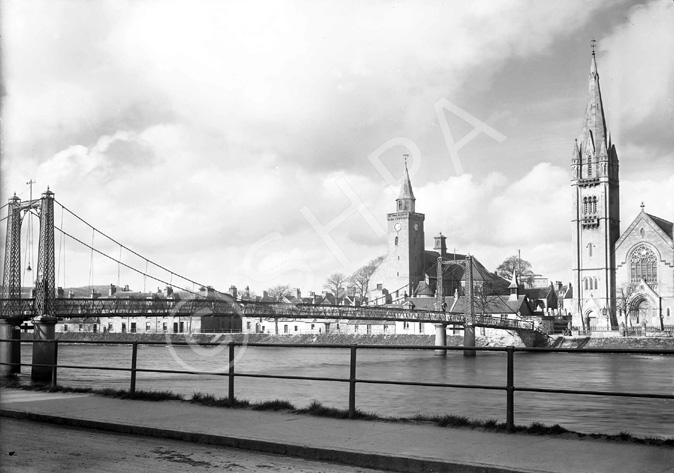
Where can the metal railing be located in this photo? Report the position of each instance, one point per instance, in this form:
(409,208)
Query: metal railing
(352,380)
(112,307)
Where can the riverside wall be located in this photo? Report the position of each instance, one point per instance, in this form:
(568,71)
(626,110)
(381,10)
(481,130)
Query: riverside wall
(496,338)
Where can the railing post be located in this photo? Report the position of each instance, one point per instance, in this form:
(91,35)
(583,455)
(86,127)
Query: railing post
(510,390)
(54,366)
(352,383)
(134,359)
(230,394)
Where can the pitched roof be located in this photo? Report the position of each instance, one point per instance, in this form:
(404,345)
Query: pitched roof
(493,304)
(538,292)
(664,225)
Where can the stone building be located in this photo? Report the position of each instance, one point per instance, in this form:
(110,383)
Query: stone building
(619,279)
(409,270)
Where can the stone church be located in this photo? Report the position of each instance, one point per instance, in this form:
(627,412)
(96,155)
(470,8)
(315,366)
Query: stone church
(619,279)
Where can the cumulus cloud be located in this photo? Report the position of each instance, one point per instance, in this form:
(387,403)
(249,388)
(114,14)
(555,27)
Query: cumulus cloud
(192,132)
(638,64)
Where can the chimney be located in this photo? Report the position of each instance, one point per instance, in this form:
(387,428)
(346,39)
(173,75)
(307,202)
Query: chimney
(94,294)
(71,294)
(265,294)
(441,245)
(559,285)
(59,293)
(112,290)
(168,290)
(126,288)
(210,292)
(233,292)
(297,294)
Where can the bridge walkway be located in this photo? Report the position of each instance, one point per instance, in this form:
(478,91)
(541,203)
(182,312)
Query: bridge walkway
(112,307)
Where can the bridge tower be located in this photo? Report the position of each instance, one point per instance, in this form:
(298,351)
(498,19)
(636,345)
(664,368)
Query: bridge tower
(596,212)
(11,284)
(45,291)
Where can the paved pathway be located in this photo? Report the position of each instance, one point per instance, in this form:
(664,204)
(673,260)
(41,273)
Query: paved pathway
(385,445)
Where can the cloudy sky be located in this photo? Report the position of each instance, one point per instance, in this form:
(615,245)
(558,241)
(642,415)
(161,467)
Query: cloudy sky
(259,143)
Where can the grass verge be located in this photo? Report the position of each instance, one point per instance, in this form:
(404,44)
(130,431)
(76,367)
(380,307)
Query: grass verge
(315,408)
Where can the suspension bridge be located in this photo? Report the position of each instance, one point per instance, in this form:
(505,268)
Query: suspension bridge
(47,306)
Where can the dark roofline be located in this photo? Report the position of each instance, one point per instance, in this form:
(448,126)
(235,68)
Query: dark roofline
(665,225)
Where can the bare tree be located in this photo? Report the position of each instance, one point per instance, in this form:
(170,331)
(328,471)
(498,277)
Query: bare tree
(279,292)
(523,267)
(336,283)
(623,296)
(361,278)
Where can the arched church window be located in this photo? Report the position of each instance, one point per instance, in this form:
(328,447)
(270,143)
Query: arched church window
(585,205)
(585,283)
(589,249)
(396,241)
(594,205)
(642,232)
(643,265)
(589,169)
(596,283)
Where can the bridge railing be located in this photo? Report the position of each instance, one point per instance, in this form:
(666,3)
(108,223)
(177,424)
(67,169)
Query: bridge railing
(87,307)
(510,388)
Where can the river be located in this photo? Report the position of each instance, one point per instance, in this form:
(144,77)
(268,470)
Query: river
(582,413)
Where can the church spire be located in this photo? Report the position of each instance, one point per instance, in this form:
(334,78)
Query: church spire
(405,200)
(594,125)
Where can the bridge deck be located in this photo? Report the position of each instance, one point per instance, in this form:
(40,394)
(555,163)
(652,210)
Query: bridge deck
(114,307)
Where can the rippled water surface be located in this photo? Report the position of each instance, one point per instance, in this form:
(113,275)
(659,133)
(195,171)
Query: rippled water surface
(584,413)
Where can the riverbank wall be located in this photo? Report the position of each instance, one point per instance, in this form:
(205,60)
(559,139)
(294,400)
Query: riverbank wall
(503,339)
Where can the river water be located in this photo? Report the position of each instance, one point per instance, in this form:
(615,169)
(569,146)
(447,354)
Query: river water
(582,413)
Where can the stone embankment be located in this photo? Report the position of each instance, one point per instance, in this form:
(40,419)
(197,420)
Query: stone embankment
(502,339)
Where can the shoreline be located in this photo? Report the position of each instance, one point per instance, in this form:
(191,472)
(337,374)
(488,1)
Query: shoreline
(579,343)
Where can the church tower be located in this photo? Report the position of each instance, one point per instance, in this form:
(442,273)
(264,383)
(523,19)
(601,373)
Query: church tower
(596,214)
(405,253)
(403,266)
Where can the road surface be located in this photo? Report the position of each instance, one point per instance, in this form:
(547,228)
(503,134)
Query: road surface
(27,446)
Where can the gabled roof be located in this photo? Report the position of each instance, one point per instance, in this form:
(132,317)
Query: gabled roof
(493,304)
(660,224)
(664,225)
(480,273)
(538,292)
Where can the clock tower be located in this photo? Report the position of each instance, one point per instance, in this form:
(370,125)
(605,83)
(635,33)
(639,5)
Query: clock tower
(403,266)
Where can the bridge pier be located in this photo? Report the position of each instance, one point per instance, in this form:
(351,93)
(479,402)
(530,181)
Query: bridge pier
(44,352)
(440,338)
(10,352)
(469,339)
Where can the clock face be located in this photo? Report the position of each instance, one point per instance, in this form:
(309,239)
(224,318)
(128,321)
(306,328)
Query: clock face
(397,226)
(416,227)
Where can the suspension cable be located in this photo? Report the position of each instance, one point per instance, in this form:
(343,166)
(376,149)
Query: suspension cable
(194,283)
(91,261)
(120,262)
(61,251)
